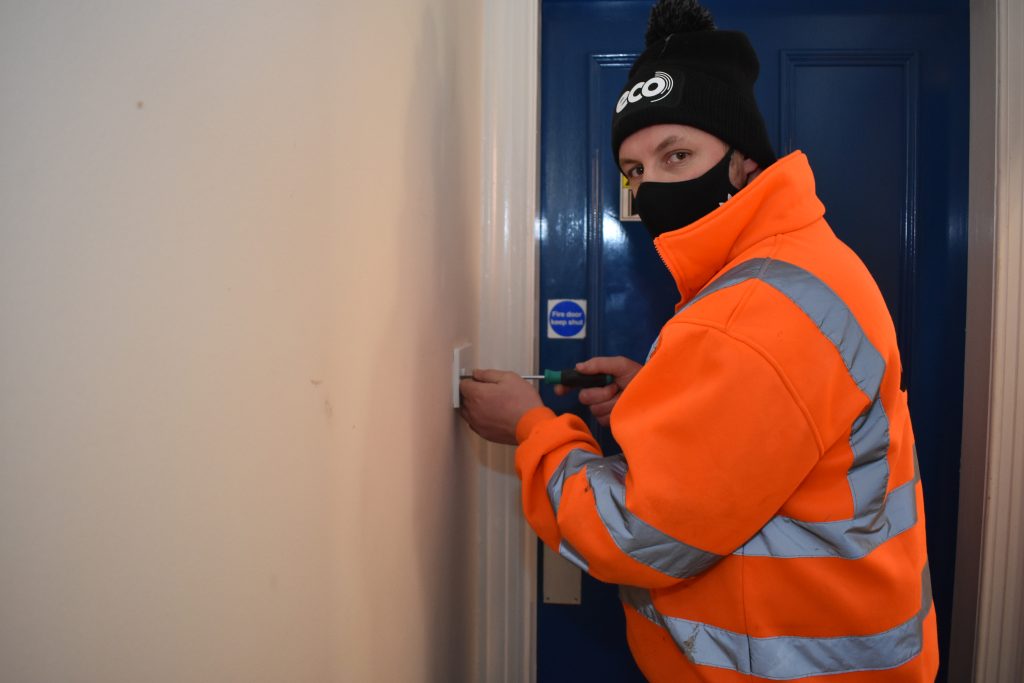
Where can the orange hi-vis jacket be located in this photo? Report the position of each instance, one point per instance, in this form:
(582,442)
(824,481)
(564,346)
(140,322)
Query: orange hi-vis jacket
(765,518)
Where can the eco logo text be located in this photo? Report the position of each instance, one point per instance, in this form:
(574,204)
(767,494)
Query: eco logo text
(655,88)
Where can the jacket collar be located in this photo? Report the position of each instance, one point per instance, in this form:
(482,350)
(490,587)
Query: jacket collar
(779,200)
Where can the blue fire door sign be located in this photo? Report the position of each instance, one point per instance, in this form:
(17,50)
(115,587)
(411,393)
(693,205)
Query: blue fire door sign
(567,318)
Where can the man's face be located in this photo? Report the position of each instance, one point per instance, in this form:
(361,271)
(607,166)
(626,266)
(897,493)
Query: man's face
(670,152)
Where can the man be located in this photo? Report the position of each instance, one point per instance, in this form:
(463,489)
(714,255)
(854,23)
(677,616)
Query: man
(765,518)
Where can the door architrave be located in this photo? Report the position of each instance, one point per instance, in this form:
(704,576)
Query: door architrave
(507,335)
(988,600)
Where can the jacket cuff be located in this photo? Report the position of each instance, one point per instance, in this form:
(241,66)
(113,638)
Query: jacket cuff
(531,419)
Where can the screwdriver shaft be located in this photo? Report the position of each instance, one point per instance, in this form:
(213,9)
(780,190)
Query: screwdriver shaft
(570,378)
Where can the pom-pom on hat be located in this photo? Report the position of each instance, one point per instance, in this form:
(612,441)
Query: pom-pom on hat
(693,74)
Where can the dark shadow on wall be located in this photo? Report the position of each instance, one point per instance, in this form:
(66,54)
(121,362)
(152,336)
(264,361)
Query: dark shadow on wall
(438,195)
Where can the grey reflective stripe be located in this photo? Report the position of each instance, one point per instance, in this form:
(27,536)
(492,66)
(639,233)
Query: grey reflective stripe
(573,555)
(747,270)
(634,536)
(869,474)
(789,657)
(850,539)
(741,273)
(654,347)
(570,465)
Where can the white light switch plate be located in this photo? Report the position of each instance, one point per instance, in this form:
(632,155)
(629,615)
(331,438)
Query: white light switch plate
(462,364)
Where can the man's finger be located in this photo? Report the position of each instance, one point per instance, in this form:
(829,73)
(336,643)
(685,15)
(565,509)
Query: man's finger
(598,394)
(602,409)
(611,365)
(469,387)
(490,376)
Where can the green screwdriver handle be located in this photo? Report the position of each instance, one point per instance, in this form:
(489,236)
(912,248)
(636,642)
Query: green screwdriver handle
(576,379)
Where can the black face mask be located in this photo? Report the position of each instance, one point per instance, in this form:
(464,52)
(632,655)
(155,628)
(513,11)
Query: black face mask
(669,206)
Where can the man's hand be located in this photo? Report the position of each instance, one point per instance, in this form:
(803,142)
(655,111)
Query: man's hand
(602,399)
(494,400)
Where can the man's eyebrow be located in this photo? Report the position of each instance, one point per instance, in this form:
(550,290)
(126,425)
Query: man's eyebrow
(670,140)
(667,142)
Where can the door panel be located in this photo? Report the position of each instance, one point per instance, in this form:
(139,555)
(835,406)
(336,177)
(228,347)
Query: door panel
(876,95)
(878,90)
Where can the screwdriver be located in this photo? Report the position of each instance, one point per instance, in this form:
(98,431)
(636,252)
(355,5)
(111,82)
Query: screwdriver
(572,378)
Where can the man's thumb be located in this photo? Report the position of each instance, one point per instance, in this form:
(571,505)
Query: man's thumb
(488,375)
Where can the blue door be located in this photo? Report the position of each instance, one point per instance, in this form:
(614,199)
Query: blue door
(876,94)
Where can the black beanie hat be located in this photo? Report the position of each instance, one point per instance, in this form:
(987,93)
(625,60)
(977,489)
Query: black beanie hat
(692,74)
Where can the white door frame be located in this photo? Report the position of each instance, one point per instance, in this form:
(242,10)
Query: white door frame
(507,590)
(988,601)
(988,610)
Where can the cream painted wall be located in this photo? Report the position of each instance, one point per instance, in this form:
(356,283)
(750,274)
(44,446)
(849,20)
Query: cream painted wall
(238,240)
